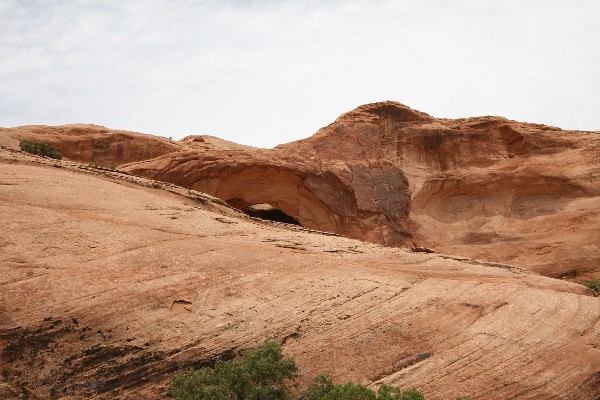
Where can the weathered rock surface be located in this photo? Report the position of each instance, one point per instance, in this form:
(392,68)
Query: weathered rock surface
(92,143)
(110,283)
(356,197)
(486,187)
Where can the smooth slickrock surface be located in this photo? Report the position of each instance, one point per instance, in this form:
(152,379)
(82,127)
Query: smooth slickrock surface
(110,283)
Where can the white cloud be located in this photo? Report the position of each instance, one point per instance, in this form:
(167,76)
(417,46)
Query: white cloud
(268,72)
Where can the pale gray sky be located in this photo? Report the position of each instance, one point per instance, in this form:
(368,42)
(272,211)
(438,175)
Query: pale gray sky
(269,72)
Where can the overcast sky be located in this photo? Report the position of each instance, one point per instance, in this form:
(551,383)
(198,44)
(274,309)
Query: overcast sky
(269,72)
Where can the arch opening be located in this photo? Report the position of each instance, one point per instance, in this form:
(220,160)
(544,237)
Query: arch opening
(270,213)
(281,189)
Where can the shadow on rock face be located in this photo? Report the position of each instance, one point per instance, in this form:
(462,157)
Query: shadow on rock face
(270,213)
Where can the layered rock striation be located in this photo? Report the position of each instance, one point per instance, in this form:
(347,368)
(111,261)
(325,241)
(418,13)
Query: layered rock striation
(111,283)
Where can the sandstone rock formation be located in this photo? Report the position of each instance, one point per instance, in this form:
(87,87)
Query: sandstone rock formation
(486,187)
(92,143)
(483,187)
(110,283)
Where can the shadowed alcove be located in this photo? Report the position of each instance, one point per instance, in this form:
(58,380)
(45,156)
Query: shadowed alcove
(270,213)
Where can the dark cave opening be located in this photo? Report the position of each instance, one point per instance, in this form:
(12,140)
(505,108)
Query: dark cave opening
(270,213)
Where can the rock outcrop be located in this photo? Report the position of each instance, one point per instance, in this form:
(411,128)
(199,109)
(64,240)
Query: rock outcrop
(486,187)
(111,283)
(356,197)
(92,143)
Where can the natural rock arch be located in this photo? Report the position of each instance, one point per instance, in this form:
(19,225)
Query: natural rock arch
(327,209)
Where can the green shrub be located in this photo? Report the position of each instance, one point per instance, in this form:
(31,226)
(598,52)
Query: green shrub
(593,284)
(323,385)
(259,374)
(263,374)
(40,148)
(349,391)
(387,392)
(325,389)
